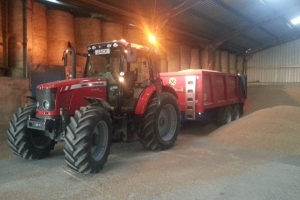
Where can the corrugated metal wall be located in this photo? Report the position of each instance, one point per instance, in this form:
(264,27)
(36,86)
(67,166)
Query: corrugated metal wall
(273,74)
(277,64)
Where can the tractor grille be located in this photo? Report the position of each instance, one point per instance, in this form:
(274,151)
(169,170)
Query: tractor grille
(46,96)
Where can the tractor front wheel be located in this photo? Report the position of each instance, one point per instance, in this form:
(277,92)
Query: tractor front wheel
(160,123)
(25,142)
(88,139)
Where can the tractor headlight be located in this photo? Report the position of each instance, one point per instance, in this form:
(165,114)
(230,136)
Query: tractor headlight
(121,79)
(46,105)
(46,99)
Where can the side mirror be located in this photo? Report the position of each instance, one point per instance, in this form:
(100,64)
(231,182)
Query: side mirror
(131,55)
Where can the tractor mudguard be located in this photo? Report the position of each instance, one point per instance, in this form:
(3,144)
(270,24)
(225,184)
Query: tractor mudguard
(146,95)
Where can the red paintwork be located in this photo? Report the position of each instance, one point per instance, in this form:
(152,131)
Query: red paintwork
(73,98)
(213,89)
(144,99)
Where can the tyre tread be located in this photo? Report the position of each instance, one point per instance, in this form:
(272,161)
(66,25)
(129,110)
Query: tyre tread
(148,136)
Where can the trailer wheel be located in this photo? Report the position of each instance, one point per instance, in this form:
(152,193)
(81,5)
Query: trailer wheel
(236,112)
(28,143)
(160,124)
(224,115)
(88,139)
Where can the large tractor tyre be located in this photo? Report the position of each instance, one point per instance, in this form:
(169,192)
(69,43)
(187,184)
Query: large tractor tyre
(88,139)
(160,123)
(224,115)
(28,143)
(237,112)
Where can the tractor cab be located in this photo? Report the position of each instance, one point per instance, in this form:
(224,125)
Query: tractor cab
(128,68)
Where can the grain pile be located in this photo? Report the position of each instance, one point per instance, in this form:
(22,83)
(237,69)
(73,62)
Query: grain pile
(111,31)
(275,129)
(39,34)
(224,61)
(217,64)
(195,58)
(15,50)
(60,31)
(270,122)
(173,56)
(232,63)
(204,59)
(185,57)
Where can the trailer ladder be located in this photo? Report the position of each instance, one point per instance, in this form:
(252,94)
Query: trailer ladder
(190,97)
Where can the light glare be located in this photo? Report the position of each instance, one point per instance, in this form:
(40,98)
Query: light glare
(121,79)
(296,20)
(152,38)
(53,1)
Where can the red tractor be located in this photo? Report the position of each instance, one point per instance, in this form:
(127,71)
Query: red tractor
(111,102)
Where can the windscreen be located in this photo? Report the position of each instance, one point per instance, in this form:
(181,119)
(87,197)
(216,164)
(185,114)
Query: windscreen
(100,64)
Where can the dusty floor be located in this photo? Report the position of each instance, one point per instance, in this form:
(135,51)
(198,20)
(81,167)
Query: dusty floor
(255,157)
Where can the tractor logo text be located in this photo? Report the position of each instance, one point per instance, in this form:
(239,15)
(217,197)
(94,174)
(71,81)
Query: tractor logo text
(172,81)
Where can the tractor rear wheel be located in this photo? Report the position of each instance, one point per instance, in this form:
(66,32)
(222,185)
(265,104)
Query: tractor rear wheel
(88,139)
(160,123)
(28,143)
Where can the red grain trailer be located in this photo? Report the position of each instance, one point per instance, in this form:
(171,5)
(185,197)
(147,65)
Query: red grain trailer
(204,93)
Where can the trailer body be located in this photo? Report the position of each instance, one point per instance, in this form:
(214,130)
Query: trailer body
(202,92)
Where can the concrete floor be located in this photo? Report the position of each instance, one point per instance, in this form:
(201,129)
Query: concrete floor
(196,168)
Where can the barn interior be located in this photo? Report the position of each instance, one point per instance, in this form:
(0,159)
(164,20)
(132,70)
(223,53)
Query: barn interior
(256,38)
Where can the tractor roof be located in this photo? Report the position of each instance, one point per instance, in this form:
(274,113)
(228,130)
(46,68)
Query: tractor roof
(117,43)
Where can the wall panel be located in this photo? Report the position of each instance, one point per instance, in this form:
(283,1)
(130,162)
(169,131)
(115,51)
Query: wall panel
(277,64)
(273,74)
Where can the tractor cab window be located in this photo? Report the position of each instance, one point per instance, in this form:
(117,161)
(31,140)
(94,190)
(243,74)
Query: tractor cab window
(102,65)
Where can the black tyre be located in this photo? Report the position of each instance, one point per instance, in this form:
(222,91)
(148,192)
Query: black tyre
(28,143)
(224,115)
(160,124)
(88,139)
(236,112)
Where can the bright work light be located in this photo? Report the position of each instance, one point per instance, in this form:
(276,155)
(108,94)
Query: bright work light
(152,38)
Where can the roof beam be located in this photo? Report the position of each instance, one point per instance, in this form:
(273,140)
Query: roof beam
(201,40)
(184,6)
(247,28)
(210,20)
(275,12)
(94,5)
(234,47)
(233,11)
(273,44)
(176,10)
